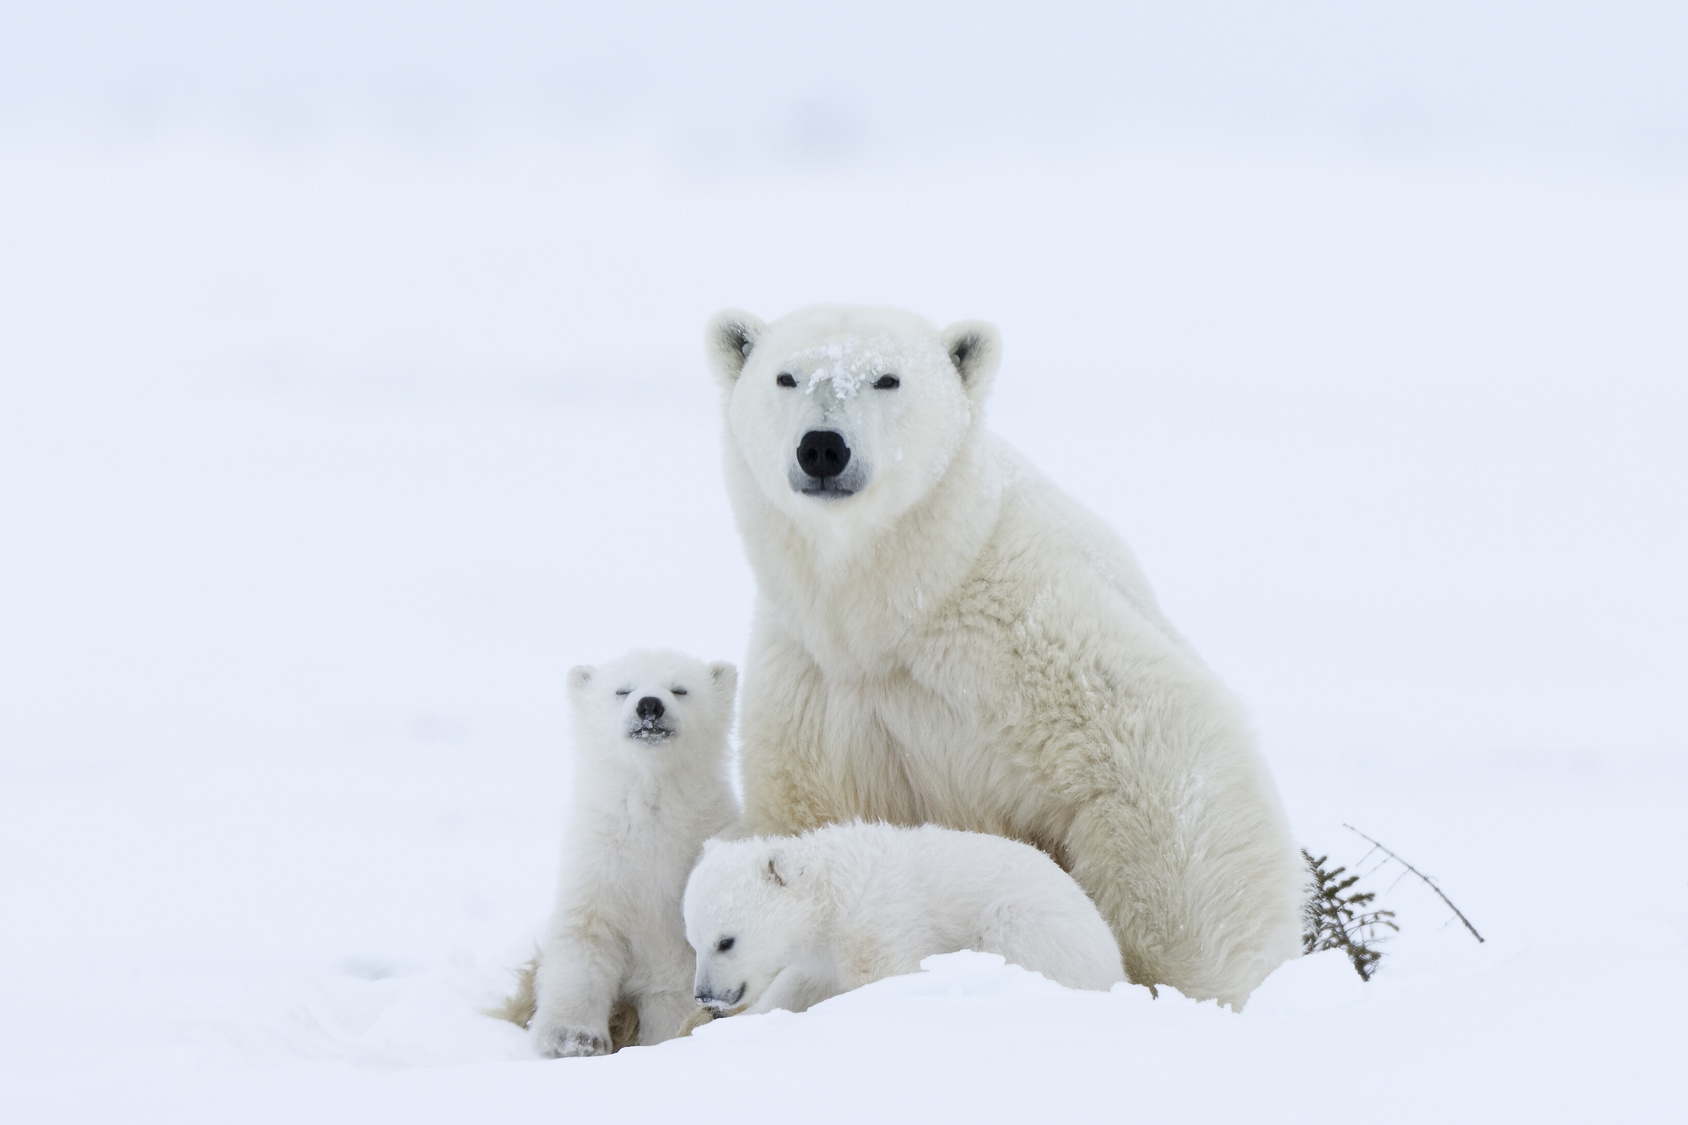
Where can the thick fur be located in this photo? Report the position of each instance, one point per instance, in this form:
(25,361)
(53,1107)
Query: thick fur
(807,917)
(945,637)
(614,966)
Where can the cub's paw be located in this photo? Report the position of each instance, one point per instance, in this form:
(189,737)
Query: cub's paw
(697,1019)
(560,1041)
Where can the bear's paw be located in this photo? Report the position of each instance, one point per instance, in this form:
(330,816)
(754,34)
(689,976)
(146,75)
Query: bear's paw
(564,1042)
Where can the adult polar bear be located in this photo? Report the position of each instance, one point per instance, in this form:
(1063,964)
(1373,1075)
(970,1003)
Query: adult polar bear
(941,636)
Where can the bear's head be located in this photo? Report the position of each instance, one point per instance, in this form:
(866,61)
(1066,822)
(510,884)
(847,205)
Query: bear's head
(845,414)
(647,702)
(747,911)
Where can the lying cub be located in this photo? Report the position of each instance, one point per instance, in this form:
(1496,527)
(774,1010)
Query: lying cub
(787,921)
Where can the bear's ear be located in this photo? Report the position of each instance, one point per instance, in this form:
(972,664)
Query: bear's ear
(729,340)
(974,346)
(579,676)
(724,678)
(773,864)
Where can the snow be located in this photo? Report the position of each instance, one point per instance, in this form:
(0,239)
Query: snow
(845,367)
(326,449)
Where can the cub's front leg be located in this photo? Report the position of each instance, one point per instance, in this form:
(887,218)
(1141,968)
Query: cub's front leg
(813,753)
(579,978)
(797,988)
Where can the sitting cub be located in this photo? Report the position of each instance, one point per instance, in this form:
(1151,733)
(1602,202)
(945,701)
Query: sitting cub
(650,786)
(787,921)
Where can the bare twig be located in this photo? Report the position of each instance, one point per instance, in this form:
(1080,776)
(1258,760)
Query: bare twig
(1428,881)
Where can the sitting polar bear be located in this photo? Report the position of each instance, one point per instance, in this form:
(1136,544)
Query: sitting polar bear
(785,922)
(650,786)
(942,636)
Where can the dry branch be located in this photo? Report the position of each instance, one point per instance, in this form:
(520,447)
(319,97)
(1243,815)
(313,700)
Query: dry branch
(1428,881)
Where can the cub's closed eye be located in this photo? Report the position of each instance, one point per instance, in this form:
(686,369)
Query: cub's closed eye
(724,944)
(624,691)
(887,383)
(679,691)
(786,380)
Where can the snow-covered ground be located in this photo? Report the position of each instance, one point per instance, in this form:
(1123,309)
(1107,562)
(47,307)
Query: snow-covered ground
(323,455)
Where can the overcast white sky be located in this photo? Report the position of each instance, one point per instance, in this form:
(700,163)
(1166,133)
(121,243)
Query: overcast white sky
(1592,77)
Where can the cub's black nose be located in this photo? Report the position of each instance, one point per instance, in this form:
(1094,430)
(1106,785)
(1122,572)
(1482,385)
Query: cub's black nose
(649,707)
(822,453)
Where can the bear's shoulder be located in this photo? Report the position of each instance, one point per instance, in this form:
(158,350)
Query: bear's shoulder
(1050,545)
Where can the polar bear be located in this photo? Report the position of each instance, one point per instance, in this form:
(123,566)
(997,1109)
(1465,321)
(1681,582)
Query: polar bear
(787,921)
(942,636)
(650,786)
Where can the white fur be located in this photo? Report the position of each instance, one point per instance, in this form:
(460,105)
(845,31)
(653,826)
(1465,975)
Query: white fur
(957,642)
(807,917)
(643,805)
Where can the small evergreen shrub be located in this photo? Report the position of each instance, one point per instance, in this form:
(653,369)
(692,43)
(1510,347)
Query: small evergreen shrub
(1337,917)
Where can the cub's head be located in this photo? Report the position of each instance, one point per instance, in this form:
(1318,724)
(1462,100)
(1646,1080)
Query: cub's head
(646,702)
(843,413)
(746,909)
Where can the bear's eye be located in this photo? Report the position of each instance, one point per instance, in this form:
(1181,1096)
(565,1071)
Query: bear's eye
(624,691)
(723,945)
(679,691)
(786,380)
(887,383)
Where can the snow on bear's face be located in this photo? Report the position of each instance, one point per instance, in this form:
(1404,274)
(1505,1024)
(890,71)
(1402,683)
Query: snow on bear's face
(646,700)
(849,415)
(746,915)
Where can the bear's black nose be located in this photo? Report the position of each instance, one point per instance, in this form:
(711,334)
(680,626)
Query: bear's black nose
(650,707)
(822,453)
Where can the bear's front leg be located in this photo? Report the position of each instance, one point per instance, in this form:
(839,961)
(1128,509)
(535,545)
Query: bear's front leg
(812,752)
(665,1015)
(575,989)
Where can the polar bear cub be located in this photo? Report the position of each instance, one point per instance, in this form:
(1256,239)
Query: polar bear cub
(650,786)
(785,922)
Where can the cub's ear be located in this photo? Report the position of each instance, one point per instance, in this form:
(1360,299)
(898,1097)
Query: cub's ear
(729,340)
(724,677)
(581,675)
(773,867)
(975,347)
